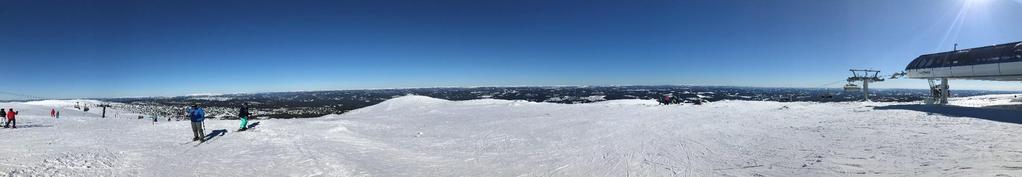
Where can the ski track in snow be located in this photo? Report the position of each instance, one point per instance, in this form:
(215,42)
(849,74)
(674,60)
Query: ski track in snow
(421,136)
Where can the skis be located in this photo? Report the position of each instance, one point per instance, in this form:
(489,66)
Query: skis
(189,142)
(245,129)
(204,140)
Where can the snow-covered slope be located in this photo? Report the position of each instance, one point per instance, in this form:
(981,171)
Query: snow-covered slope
(422,136)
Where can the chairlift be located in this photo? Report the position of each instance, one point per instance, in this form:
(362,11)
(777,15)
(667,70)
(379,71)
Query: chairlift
(850,87)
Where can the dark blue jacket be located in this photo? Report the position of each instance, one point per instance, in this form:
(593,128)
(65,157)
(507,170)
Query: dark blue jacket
(198,115)
(243,112)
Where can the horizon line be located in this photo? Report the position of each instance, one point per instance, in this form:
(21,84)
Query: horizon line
(493,86)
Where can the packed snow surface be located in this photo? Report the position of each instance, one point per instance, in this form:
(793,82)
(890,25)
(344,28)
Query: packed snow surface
(422,136)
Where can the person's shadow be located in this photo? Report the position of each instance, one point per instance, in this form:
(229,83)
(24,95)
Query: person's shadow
(215,134)
(33,126)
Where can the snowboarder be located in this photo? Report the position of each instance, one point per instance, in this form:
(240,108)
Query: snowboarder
(53,113)
(243,115)
(10,118)
(3,116)
(58,114)
(197,115)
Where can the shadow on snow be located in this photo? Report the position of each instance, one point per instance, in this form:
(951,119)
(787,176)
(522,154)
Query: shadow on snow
(1000,113)
(21,126)
(214,134)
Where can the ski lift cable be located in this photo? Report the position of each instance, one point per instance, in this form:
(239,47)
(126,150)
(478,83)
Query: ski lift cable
(831,83)
(21,95)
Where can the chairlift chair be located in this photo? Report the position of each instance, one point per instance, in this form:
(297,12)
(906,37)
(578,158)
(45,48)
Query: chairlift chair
(850,87)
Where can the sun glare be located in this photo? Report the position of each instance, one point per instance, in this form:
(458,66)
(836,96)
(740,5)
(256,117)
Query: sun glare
(977,3)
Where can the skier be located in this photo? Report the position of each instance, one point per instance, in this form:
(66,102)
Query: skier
(197,115)
(3,116)
(243,115)
(10,118)
(58,114)
(53,113)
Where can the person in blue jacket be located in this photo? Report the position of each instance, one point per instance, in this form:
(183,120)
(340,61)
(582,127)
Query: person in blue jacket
(197,115)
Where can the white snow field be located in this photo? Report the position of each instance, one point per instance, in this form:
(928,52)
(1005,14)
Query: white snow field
(421,136)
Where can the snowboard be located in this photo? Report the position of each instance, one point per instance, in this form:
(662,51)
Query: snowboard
(249,127)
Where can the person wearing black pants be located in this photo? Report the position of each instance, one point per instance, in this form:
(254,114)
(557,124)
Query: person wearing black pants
(3,116)
(10,119)
(11,122)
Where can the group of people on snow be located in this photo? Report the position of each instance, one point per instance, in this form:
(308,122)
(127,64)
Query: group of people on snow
(10,118)
(54,113)
(195,112)
(198,117)
(669,99)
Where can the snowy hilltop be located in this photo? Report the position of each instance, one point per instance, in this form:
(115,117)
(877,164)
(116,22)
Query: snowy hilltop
(423,136)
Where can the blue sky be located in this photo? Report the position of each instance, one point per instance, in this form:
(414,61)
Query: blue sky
(63,49)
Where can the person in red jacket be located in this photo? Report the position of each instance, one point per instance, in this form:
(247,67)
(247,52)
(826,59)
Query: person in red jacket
(10,118)
(53,112)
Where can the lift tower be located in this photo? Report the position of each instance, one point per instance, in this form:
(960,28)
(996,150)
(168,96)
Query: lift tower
(866,76)
(104,108)
(940,90)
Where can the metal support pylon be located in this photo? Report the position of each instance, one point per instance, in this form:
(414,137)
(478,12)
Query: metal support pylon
(866,77)
(940,91)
